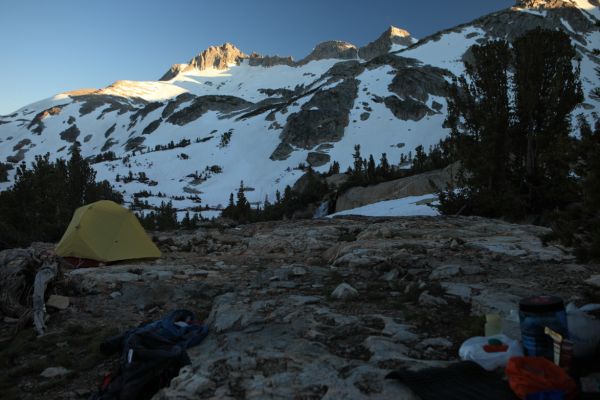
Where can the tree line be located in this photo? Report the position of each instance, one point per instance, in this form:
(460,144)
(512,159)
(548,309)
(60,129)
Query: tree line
(284,206)
(365,171)
(164,217)
(40,203)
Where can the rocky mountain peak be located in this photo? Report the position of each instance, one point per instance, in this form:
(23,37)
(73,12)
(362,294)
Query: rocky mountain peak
(394,32)
(217,57)
(332,49)
(383,44)
(544,3)
(214,57)
(220,57)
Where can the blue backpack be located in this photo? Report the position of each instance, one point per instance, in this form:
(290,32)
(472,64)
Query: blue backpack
(151,355)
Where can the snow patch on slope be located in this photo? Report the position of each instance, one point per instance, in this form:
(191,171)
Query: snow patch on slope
(590,75)
(539,13)
(405,207)
(398,47)
(447,51)
(150,91)
(245,81)
(588,7)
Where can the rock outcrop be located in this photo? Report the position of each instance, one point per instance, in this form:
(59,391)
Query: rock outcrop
(109,103)
(173,104)
(202,104)
(70,134)
(332,49)
(175,70)
(383,44)
(407,109)
(37,123)
(321,120)
(316,158)
(269,61)
(283,334)
(418,82)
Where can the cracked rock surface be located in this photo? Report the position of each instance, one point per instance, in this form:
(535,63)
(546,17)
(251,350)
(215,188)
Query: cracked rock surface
(419,287)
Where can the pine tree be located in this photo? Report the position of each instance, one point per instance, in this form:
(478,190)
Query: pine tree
(242,206)
(517,153)
(4,172)
(547,89)
(334,168)
(358,163)
(590,170)
(419,162)
(587,236)
(80,176)
(186,221)
(384,166)
(578,226)
(166,217)
(371,169)
(486,111)
(288,201)
(230,210)
(241,196)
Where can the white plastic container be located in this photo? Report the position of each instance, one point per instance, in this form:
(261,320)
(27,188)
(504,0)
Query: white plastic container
(472,349)
(584,330)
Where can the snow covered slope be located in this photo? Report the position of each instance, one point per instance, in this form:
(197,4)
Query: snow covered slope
(227,116)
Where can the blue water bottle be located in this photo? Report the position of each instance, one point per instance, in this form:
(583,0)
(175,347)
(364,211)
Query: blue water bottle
(536,313)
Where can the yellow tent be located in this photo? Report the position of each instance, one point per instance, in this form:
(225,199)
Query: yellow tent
(105,231)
